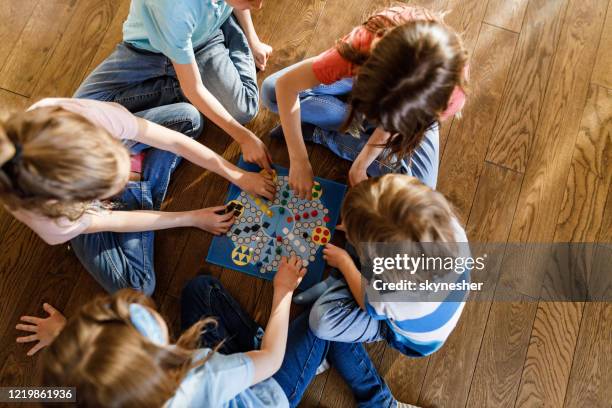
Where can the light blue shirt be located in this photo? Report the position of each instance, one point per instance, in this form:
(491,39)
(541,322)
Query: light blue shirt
(223,381)
(174,27)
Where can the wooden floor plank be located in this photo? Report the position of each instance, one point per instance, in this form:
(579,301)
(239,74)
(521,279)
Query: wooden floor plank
(14,16)
(37,42)
(602,74)
(591,375)
(10,102)
(464,155)
(523,97)
(88,26)
(506,14)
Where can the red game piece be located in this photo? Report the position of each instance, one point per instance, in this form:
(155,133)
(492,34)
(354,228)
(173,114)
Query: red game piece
(279,239)
(324,240)
(326,219)
(326,232)
(297,217)
(289,219)
(318,230)
(305,215)
(314,213)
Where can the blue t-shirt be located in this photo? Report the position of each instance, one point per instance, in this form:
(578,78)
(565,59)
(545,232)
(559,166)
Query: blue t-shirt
(223,381)
(174,27)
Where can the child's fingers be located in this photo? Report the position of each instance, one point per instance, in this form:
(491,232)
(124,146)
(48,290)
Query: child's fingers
(27,328)
(227,217)
(27,339)
(49,309)
(303,272)
(30,319)
(218,208)
(35,349)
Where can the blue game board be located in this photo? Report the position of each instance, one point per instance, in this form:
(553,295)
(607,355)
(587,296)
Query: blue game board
(265,231)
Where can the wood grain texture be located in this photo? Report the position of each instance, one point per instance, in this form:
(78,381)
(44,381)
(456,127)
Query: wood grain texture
(602,73)
(37,42)
(14,16)
(466,149)
(591,375)
(506,14)
(524,94)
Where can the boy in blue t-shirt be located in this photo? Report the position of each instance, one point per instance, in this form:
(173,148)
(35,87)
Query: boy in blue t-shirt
(194,50)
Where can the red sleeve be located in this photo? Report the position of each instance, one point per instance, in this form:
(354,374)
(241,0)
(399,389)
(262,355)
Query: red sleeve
(329,66)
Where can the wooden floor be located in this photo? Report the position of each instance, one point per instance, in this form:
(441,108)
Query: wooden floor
(530,161)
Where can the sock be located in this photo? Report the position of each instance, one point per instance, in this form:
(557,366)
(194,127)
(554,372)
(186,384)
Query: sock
(310,295)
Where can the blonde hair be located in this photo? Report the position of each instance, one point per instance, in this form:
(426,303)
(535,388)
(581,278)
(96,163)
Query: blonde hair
(111,364)
(396,208)
(57,163)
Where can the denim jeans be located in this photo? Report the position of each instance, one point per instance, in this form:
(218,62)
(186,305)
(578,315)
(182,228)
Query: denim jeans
(140,79)
(324,106)
(125,260)
(204,296)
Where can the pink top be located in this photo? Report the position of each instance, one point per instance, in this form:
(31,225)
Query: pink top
(330,66)
(119,122)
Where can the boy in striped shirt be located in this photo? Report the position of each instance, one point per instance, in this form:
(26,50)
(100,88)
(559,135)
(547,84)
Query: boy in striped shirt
(394,210)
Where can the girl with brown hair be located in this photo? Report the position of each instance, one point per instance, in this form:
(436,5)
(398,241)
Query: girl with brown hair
(117,352)
(402,72)
(64,171)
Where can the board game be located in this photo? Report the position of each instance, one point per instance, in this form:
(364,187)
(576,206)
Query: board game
(264,231)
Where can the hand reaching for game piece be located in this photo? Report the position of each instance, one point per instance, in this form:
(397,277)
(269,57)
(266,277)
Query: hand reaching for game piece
(289,275)
(301,179)
(258,184)
(213,219)
(336,257)
(45,330)
(255,151)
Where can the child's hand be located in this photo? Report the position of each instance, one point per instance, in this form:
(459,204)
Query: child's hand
(301,179)
(357,174)
(45,330)
(289,275)
(255,151)
(336,257)
(261,52)
(209,220)
(258,184)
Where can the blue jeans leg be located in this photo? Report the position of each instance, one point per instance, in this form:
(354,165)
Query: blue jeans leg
(320,106)
(126,260)
(423,165)
(204,296)
(336,316)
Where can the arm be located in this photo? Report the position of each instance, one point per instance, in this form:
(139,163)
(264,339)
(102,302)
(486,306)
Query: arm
(166,139)
(368,154)
(288,87)
(261,51)
(191,83)
(269,358)
(340,259)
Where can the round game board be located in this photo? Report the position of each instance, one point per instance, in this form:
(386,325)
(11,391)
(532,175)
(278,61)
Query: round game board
(264,231)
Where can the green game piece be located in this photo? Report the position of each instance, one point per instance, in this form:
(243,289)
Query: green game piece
(281,210)
(315,195)
(279,250)
(317,187)
(285,194)
(284,202)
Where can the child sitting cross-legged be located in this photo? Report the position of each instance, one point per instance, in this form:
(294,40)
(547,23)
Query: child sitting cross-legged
(400,211)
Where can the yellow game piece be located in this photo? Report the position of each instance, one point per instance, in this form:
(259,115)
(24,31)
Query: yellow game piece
(270,213)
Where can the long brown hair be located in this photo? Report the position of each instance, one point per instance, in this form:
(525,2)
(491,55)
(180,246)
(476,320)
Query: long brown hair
(404,84)
(111,364)
(57,163)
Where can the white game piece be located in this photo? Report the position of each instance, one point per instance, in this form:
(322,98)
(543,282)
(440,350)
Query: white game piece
(304,263)
(297,243)
(290,236)
(312,258)
(302,249)
(285,230)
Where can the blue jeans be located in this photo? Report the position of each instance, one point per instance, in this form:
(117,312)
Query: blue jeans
(324,106)
(140,79)
(204,296)
(125,260)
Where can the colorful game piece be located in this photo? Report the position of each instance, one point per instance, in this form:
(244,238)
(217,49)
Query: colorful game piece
(326,219)
(279,250)
(285,194)
(297,217)
(314,213)
(289,219)
(320,235)
(279,239)
(317,191)
(281,210)
(284,202)
(305,215)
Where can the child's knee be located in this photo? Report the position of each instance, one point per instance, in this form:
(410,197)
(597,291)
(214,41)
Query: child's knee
(199,284)
(148,287)
(268,93)
(321,322)
(194,121)
(247,110)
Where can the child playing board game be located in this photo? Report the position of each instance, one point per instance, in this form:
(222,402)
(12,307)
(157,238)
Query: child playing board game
(189,50)
(64,173)
(117,352)
(391,209)
(402,71)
